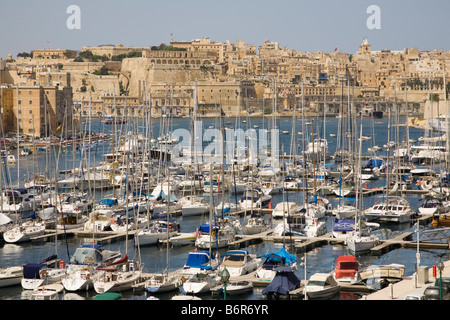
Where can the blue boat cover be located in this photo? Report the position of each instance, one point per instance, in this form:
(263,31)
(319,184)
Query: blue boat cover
(31,216)
(205,227)
(197,259)
(374,163)
(280,255)
(284,281)
(344,225)
(108,202)
(88,255)
(31,270)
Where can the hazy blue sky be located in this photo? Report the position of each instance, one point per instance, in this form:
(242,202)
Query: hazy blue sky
(297,24)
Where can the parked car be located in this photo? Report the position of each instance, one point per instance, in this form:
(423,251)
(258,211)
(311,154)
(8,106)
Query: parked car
(445,282)
(433,293)
(415,295)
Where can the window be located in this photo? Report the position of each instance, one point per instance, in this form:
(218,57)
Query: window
(31,111)
(31,101)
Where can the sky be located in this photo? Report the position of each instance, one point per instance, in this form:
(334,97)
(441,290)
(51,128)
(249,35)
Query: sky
(306,26)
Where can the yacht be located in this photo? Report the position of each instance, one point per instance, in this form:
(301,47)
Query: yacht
(284,209)
(239,262)
(255,199)
(157,231)
(390,209)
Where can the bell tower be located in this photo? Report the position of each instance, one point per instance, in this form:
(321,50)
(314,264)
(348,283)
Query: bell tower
(364,48)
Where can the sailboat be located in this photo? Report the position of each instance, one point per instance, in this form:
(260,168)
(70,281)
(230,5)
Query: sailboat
(345,209)
(38,274)
(201,283)
(360,240)
(115,279)
(124,275)
(25,231)
(164,282)
(83,264)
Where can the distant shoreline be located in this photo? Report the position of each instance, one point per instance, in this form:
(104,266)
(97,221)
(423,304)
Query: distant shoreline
(259,115)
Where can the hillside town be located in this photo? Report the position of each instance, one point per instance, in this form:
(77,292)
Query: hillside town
(232,78)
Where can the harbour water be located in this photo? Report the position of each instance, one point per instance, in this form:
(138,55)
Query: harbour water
(320,259)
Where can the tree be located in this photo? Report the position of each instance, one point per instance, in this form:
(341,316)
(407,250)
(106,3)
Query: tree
(25,55)
(103,71)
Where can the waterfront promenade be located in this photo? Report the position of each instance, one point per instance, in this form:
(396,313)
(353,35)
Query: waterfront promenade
(398,290)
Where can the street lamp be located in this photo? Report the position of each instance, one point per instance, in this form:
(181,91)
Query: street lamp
(440,267)
(225,276)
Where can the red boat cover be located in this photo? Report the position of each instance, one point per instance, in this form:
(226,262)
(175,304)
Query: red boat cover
(347,266)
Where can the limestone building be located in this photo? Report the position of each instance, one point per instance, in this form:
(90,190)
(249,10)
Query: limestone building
(48,54)
(38,110)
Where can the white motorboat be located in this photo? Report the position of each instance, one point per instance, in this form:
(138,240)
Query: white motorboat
(434,206)
(439,123)
(291,182)
(271,187)
(161,282)
(11,276)
(199,261)
(78,278)
(184,238)
(157,231)
(35,275)
(71,220)
(255,199)
(346,270)
(358,242)
(270,261)
(284,209)
(47,292)
(18,202)
(159,208)
(369,173)
(24,232)
(318,148)
(100,220)
(322,286)
(342,228)
(390,209)
(314,227)
(237,287)
(428,154)
(345,189)
(201,283)
(345,209)
(83,263)
(239,262)
(111,279)
(193,206)
(219,236)
(255,224)
(134,221)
